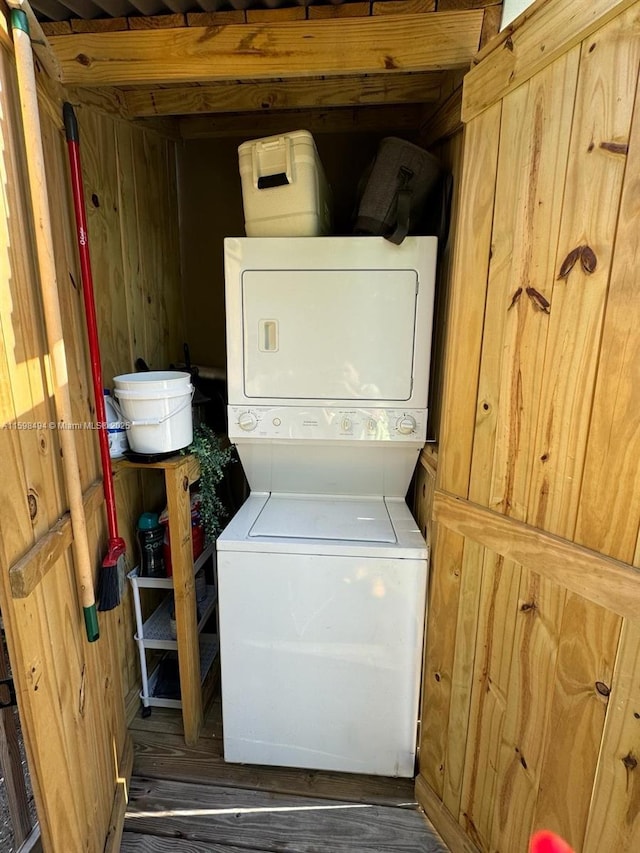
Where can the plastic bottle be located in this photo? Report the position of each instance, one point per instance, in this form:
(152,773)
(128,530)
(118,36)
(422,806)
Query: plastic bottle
(116,430)
(150,536)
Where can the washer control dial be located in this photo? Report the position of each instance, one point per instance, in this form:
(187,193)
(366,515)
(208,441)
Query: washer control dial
(406,425)
(247,421)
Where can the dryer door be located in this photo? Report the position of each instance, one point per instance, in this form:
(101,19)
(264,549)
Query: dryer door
(328,335)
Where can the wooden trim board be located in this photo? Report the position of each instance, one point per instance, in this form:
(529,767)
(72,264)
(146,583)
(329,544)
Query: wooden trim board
(265,96)
(387,43)
(444,122)
(451,832)
(520,52)
(392,119)
(607,582)
(30,569)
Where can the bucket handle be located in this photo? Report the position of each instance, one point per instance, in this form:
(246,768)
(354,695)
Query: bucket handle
(151,421)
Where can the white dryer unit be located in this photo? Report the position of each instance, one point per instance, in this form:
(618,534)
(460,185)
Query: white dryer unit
(317,321)
(328,348)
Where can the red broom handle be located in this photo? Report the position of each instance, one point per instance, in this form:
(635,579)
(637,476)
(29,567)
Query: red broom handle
(73,144)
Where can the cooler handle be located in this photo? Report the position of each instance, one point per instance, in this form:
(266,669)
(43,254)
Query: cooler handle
(276,179)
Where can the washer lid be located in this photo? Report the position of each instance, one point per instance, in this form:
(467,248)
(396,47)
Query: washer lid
(349,519)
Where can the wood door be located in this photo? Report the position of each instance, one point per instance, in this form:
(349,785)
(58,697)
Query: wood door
(531,674)
(70,692)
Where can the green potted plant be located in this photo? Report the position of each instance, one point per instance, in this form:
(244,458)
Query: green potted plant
(213,458)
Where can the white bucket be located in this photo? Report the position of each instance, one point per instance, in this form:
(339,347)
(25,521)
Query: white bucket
(156,405)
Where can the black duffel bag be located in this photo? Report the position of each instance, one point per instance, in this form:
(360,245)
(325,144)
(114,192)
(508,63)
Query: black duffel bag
(401,191)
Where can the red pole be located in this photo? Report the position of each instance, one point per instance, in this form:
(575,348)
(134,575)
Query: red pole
(73,140)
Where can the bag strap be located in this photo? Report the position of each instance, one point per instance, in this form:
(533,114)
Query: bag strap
(403,216)
(403,206)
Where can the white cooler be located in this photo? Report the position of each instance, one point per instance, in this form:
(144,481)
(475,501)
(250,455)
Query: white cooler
(284,188)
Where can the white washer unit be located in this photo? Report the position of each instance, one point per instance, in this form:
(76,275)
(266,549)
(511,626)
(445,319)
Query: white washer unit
(322,573)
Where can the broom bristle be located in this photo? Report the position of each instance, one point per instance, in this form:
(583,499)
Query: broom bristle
(111,575)
(108,588)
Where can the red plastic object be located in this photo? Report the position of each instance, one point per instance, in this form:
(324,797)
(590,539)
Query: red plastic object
(197,538)
(546,841)
(197,545)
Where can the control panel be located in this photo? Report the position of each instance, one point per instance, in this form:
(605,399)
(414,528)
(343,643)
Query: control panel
(327,424)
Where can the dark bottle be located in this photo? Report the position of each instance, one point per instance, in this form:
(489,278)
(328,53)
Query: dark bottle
(150,536)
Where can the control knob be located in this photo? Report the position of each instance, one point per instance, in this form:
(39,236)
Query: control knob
(406,425)
(247,421)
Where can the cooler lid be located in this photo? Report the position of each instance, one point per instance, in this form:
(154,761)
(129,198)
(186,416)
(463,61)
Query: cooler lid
(338,518)
(333,334)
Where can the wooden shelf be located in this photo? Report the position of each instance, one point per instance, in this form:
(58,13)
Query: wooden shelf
(181,472)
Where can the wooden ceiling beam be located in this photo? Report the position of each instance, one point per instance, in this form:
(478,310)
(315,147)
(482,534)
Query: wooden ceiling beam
(384,44)
(394,119)
(264,96)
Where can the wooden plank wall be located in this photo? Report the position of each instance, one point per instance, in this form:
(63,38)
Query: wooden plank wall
(70,692)
(531,702)
(132,210)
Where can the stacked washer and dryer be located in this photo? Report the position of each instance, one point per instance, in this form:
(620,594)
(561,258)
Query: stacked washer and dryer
(322,573)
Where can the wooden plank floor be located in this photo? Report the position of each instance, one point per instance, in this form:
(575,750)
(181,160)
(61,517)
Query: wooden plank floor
(187,800)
